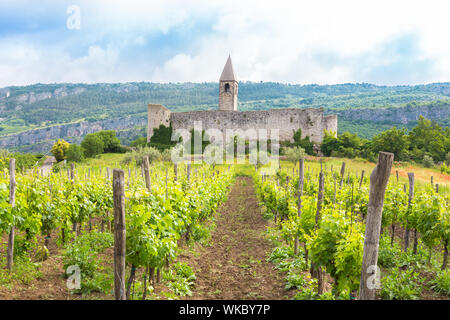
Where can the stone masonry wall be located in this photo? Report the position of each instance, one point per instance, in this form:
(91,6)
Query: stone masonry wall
(330,123)
(312,121)
(157,115)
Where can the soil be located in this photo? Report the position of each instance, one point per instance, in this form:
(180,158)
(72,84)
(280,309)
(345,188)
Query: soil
(235,266)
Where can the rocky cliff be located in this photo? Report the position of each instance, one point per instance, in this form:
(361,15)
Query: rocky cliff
(41,139)
(395,115)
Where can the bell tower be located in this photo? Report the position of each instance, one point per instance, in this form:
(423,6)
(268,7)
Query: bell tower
(228,88)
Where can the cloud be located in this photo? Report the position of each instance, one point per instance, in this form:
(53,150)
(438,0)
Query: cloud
(324,41)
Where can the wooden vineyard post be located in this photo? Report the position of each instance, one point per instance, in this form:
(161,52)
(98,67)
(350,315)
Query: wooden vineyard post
(129,176)
(72,179)
(437,187)
(12,202)
(188,173)
(342,174)
(147,173)
(175,172)
(378,183)
(72,172)
(410,197)
(119,234)
(432,184)
(320,197)
(334,197)
(362,177)
(301,164)
(396,172)
(317,270)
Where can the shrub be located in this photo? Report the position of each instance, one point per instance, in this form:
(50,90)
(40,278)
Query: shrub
(181,278)
(445,169)
(23,160)
(441,282)
(387,255)
(92,145)
(59,149)
(139,142)
(166,155)
(110,142)
(427,161)
(401,285)
(295,154)
(83,252)
(75,153)
(139,153)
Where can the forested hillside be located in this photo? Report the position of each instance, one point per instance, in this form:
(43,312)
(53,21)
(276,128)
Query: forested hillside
(40,105)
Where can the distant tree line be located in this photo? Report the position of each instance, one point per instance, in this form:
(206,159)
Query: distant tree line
(426,143)
(92,145)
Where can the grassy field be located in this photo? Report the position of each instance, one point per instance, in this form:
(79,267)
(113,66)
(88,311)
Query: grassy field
(353,166)
(422,175)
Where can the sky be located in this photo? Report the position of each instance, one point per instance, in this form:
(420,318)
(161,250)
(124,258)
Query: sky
(304,42)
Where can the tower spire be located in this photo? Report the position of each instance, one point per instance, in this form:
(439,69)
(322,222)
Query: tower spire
(228,71)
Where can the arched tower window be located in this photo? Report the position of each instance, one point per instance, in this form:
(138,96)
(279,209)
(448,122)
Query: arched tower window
(227,87)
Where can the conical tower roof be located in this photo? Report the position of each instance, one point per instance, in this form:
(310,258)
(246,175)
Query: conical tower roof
(228,71)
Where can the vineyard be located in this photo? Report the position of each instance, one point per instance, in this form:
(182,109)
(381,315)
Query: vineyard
(326,211)
(182,221)
(75,210)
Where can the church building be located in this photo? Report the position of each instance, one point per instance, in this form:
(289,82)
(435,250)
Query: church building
(311,121)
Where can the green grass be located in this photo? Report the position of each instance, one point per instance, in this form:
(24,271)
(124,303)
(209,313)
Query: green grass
(354,166)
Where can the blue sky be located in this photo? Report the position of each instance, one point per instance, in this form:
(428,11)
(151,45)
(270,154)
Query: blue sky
(322,41)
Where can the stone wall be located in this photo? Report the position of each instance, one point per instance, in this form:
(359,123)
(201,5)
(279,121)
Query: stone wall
(312,121)
(330,123)
(157,115)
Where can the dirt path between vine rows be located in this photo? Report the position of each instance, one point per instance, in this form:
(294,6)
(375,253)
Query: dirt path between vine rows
(234,266)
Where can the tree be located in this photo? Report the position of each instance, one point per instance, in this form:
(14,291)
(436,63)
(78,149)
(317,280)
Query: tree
(75,153)
(139,142)
(110,142)
(294,154)
(347,145)
(59,149)
(92,145)
(429,137)
(329,143)
(393,140)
